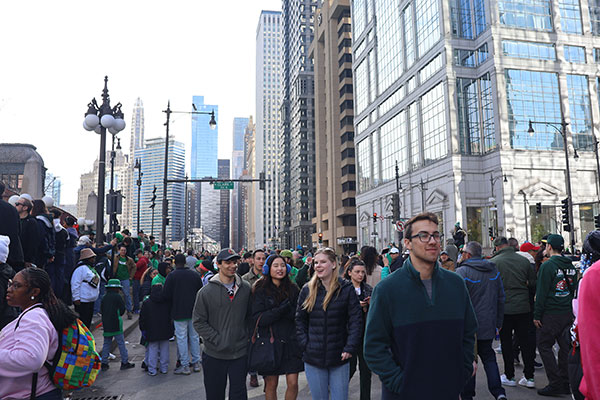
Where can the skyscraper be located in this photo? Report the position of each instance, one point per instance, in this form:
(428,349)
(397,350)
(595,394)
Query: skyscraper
(297,139)
(152,157)
(136,142)
(224,204)
(447,89)
(249,190)
(52,186)
(267,149)
(237,169)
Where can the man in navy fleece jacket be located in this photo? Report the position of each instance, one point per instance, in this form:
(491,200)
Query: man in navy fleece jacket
(420,333)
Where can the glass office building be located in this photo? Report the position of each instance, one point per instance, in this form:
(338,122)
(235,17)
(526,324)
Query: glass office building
(446,89)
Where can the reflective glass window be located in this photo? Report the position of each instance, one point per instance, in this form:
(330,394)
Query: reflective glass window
(362,126)
(389,44)
(414,138)
(594,9)
(461,15)
(475,115)
(409,38)
(479,12)
(391,101)
(570,16)
(487,113)
(580,111)
(364,165)
(358,17)
(372,82)
(428,24)
(596,55)
(575,54)
(394,148)
(435,137)
(375,148)
(482,53)
(533,95)
(431,68)
(533,50)
(526,14)
(361,100)
(465,58)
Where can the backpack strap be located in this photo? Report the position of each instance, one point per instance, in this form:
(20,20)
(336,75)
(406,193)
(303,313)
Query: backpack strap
(23,313)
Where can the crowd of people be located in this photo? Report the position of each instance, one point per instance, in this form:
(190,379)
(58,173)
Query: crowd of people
(413,316)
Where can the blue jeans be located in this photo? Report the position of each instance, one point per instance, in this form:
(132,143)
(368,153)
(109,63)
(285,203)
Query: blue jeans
(127,293)
(56,271)
(122,349)
(136,295)
(98,301)
(188,342)
(158,356)
(323,381)
(488,357)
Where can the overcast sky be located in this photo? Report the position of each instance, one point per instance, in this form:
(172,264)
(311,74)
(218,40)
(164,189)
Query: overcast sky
(55,56)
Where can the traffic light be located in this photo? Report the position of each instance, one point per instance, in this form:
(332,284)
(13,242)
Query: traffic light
(374,217)
(491,231)
(153,200)
(396,206)
(597,222)
(538,208)
(565,215)
(320,238)
(262,185)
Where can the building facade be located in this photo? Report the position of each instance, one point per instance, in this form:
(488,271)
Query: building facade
(446,90)
(237,170)
(22,169)
(224,204)
(136,142)
(249,190)
(334,129)
(152,157)
(52,186)
(267,149)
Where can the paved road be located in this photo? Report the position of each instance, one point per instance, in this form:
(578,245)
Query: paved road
(136,384)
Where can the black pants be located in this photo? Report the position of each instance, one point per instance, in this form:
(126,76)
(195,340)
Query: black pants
(364,374)
(55,394)
(86,312)
(216,372)
(520,324)
(575,373)
(553,330)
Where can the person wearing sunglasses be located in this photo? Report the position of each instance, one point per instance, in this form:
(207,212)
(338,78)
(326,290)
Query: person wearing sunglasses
(421,324)
(29,230)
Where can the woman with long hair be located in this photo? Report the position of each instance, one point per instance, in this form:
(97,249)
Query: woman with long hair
(356,272)
(274,299)
(370,257)
(328,325)
(32,339)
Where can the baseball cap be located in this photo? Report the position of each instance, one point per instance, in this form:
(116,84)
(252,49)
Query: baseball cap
(556,241)
(394,250)
(227,254)
(444,252)
(545,238)
(528,247)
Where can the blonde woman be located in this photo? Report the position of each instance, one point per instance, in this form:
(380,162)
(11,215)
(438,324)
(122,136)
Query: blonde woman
(329,328)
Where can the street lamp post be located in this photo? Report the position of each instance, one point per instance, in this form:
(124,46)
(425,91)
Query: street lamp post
(563,133)
(112,222)
(165,206)
(99,119)
(138,166)
(525,209)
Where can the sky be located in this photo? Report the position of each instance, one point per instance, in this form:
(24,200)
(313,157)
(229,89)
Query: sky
(55,56)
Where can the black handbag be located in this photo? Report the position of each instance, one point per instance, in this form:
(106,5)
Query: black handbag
(261,352)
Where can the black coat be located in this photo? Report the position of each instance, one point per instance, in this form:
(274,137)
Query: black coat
(46,245)
(155,317)
(10,226)
(325,335)
(280,317)
(181,287)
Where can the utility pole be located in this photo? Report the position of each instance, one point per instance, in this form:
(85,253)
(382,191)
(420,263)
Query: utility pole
(423,188)
(165,205)
(396,205)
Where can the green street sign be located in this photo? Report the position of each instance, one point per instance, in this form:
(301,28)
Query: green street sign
(223,186)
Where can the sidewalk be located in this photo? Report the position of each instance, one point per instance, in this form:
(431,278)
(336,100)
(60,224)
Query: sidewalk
(128,326)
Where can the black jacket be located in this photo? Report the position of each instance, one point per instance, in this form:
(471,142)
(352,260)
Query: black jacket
(47,240)
(279,316)
(61,239)
(325,335)
(7,313)
(365,291)
(180,291)
(155,317)
(10,226)
(30,237)
(487,294)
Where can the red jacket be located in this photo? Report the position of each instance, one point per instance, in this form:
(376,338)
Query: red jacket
(589,325)
(141,266)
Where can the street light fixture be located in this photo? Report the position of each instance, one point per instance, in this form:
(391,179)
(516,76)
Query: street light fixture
(99,119)
(165,207)
(563,132)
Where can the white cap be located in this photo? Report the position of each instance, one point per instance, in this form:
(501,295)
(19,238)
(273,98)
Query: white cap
(4,243)
(394,250)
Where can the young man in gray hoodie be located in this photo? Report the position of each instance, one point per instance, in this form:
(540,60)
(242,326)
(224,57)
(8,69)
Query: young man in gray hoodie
(221,315)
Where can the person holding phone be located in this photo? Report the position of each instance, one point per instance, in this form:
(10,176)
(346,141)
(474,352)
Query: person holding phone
(356,273)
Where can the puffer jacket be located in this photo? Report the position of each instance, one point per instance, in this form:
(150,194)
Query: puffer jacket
(325,335)
(155,316)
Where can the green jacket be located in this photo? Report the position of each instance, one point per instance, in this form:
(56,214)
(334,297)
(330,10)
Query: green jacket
(554,294)
(223,322)
(518,277)
(112,307)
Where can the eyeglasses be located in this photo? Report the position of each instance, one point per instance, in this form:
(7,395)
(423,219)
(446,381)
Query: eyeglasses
(15,285)
(19,204)
(424,237)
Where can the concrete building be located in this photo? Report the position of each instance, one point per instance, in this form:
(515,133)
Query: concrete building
(267,145)
(152,157)
(224,204)
(237,169)
(446,90)
(334,129)
(22,169)
(249,190)
(297,136)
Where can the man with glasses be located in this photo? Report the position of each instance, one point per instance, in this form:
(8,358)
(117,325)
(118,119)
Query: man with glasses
(421,324)
(30,234)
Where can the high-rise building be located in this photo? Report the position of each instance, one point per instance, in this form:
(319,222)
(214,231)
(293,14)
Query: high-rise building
(334,130)
(249,190)
(297,138)
(224,204)
(446,91)
(237,169)
(152,157)
(267,150)
(52,186)
(136,142)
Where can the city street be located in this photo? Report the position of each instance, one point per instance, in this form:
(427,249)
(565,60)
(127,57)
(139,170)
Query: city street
(136,384)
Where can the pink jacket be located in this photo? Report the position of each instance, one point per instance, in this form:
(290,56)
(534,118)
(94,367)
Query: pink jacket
(23,352)
(589,326)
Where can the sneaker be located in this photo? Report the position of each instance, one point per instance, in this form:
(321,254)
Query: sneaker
(111,356)
(144,366)
(551,391)
(507,382)
(196,367)
(530,383)
(152,373)
(164,372)
(129,316)
(183,370)
(127,365)
(253,380)
(498,350)
(104,367)
(172,339)
(537,365)
(501,397)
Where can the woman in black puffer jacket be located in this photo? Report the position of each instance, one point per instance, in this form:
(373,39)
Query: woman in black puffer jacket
(328,328)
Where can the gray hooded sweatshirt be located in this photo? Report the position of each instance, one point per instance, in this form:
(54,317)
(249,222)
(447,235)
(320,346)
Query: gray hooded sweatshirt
(223,322)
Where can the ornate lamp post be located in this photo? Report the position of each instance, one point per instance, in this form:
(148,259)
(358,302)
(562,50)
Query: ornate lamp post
(99,119)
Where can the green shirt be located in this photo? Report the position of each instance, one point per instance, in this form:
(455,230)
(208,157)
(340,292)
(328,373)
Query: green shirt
(122,272)
(154,247)
(158,279)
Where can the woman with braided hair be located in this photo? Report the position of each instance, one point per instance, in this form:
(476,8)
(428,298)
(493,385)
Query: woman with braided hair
(32,339)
